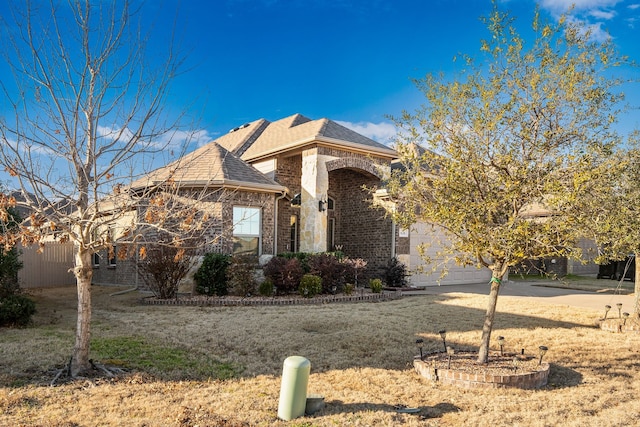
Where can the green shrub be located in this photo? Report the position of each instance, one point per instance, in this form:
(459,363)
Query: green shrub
(211,277)
(284,273)
(395,273)
(348,288)
(266,288)
(375,285)
(10,262)
(241,275)
(310,285)
(16,310)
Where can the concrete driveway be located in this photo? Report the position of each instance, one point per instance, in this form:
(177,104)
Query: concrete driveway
(538,292)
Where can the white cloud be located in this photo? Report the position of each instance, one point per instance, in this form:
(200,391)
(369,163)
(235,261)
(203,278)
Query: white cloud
(602,14)
(598,34)
(169,140)
(562,6)
(382,132)
(590,14)
(634,6)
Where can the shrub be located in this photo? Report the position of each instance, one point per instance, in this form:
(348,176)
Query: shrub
(10,262)
(303,257)
(285,274)
(266,288)
(310,285)
(354,267)
(211,277)
(330,269)
(16,310)
(395,273)
(241,275)
(375,285)
(348,288)
(163,268)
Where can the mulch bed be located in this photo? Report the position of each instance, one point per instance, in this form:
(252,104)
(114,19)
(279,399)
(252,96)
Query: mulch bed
(507,364)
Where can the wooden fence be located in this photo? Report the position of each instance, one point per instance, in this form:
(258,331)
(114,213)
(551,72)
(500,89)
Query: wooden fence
(49,268)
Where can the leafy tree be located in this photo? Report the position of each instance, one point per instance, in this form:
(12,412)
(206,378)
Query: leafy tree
(614,222)
(497,157)
(87,118)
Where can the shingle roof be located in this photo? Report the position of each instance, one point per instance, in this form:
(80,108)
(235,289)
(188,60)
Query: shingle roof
(298,130)
(239,138)
(211,165)
(222,162)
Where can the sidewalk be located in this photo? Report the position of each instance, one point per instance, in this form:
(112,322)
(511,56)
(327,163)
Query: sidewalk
(538,292)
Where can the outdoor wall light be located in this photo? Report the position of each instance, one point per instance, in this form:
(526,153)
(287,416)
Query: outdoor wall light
(543,351)
(420,344)
(501,344)
(625,315)
(606,311)
(443,335)
(322,205)
(619,305)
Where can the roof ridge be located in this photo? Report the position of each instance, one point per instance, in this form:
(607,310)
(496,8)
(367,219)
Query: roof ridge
(252,137)
(324,124)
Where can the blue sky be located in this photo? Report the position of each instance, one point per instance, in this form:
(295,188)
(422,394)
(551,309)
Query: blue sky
(349,60)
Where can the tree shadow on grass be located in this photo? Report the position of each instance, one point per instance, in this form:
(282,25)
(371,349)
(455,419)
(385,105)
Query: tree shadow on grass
(422,412)
(563,377)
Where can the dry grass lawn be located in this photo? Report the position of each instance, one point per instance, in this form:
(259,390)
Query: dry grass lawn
(209,366)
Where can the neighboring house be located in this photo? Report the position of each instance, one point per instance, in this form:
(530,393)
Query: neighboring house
(44,267)
(293,185)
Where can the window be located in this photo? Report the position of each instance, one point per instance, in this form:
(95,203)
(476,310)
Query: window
(246,230)
(330,203)
(96,259)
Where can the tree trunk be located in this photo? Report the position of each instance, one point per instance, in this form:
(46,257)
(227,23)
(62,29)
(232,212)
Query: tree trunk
(83,272)
(636,287)
(498,272)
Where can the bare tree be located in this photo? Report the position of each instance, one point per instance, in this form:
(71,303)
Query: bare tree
(87,100)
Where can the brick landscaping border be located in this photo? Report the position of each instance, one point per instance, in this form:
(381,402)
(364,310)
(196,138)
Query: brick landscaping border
(619,325)
(525,380)
(265,301)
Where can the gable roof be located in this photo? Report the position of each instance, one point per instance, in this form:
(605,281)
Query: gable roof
(212,165)
(297,131)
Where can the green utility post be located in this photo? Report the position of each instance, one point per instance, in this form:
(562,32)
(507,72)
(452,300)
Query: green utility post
(293,390)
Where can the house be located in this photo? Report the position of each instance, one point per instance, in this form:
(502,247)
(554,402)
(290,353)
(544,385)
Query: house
(293,185)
